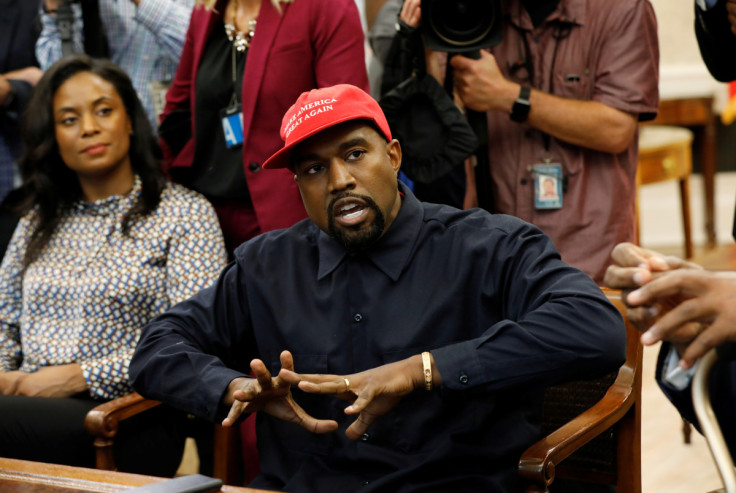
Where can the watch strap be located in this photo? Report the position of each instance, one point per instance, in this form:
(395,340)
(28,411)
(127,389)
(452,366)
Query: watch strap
(522,105)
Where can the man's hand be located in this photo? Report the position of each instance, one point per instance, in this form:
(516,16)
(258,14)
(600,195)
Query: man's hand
(480,84)
(704,317)
(372,393)
(272,396)
(411,12)
(634,267)
(50,381)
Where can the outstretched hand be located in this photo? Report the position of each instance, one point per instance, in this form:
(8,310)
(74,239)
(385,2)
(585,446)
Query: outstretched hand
(634,267)
(372,393)
(270,395)
(704,318)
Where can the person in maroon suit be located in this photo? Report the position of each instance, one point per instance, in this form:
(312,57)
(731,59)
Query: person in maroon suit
(244,62)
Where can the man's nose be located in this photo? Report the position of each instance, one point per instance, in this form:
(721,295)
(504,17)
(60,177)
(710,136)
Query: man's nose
(340,176)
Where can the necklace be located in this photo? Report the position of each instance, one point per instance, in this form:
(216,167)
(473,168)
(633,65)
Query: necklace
(239,39)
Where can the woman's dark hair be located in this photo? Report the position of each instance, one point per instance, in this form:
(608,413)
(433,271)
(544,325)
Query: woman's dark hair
(49,185)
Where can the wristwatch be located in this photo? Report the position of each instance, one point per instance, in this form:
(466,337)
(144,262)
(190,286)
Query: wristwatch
(520,110)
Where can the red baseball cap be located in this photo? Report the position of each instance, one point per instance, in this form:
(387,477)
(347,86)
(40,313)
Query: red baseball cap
(320,109)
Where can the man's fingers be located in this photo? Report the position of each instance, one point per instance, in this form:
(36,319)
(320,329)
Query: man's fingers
(359,427)
(261,373)
(287,361)
(713,336)
(642,317)
(313,424)
(666,327)
(618,277)
(235,411)
(336,385)
(630,255)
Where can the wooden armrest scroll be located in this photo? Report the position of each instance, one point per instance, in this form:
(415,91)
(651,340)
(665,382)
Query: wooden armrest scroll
(538,462)
(102,422)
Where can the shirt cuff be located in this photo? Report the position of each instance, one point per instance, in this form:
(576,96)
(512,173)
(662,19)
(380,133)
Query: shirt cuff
(706,4)
(673,375)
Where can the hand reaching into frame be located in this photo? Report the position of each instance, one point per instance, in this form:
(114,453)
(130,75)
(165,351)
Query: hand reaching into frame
(704,317)
(270,395)
(634,267)
(673,300)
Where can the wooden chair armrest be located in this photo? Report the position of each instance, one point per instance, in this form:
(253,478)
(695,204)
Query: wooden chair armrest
(538,462)
(103,420)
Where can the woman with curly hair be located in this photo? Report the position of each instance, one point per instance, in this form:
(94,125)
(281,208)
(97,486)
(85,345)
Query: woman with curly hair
(104,245)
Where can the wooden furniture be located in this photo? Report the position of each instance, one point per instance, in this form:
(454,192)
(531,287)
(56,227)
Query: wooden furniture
(19,476)
(614,422)
(665,154)
(103,421)
(697,114)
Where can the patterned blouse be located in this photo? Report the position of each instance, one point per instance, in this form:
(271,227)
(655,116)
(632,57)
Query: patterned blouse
(92,289)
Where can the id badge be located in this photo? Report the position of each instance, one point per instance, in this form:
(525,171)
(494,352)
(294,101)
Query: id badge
(232,126)
(547,186)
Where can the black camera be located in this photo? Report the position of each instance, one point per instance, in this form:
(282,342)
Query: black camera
(461,26)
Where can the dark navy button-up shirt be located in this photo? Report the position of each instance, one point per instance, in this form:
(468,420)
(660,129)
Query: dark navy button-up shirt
(487,294)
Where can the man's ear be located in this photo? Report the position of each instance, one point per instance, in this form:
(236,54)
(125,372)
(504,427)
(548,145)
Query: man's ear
(393,149)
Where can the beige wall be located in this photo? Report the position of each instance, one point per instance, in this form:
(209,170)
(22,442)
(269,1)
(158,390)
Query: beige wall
(682,72)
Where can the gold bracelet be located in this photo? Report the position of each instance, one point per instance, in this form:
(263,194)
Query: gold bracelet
(427,363)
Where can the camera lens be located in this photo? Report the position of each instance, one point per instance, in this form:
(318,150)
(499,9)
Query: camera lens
(461,22)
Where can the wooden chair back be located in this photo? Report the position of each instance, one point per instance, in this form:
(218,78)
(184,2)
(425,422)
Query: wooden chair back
(593,428)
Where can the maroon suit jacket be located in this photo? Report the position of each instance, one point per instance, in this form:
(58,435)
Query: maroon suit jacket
(311,44)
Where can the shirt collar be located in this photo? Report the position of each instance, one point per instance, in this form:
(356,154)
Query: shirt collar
(571,10)
(391,253)
(114,204)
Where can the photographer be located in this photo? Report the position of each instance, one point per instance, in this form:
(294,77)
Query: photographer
(144,37)
(563,92)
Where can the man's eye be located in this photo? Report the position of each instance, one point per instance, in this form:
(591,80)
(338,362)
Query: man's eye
(313,169)
(355,154)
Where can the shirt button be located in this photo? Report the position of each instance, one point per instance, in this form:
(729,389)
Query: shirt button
(254,167)
(523,181)
(464,379)
(365,437)
(358,317)
(366,483)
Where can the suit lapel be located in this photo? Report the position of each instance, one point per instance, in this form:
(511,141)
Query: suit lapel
(213,20)
(267,27)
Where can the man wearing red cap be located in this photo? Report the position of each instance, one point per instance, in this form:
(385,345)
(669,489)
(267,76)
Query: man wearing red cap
(437,326)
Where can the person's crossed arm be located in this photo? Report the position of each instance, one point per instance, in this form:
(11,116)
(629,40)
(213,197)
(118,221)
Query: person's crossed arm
(49,381)
(675,301)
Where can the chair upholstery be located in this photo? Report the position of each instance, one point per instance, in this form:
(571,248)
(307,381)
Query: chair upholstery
(596,427)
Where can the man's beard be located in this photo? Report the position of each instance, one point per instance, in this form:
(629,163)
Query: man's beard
(356,239)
